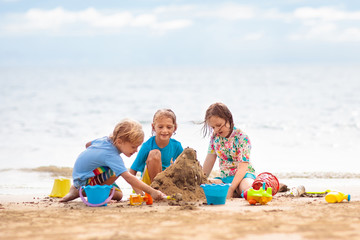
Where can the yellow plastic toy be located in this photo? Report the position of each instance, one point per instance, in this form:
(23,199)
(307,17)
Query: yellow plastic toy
(61,187)
(137,199)
(336,197)
(261,196)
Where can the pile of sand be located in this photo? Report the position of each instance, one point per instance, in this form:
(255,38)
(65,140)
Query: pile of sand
(183,177)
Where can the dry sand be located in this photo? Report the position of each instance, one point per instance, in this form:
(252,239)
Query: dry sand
(282,218)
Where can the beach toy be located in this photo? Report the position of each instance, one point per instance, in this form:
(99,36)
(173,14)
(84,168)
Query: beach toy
(97,195)
(137,199)
(261,196)
(325,192)
(298,191)
(336,197)
(61,187)
(215,193)
(270,181)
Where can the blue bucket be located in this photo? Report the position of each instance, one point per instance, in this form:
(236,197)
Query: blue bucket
(215,193)
(97,195)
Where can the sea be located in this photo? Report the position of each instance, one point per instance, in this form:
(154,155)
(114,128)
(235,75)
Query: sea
(303,121)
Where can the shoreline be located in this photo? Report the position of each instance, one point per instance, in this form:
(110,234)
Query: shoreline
(62,171)
(29,192)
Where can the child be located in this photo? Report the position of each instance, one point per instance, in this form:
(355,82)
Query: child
(101,162)
(231,146)
(157,153)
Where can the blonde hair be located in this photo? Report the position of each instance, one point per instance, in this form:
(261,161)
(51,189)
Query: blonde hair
(128,130)
(165,112)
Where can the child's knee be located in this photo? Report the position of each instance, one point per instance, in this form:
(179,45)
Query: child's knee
(245,184)
(215,181)
(154,155)
(117,195)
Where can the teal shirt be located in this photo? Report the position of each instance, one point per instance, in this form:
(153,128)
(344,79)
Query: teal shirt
(168,153)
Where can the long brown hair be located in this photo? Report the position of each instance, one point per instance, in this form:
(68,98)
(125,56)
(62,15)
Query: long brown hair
(218,110)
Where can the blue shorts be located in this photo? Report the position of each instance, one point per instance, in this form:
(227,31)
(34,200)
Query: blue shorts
(231,178)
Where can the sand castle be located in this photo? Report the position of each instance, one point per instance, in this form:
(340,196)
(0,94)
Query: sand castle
(183,177)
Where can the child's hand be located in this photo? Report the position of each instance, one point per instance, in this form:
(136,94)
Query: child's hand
(230,193)
(138,191)
(157,195)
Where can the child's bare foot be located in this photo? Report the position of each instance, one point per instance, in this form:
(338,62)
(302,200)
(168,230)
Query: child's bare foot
(73,194)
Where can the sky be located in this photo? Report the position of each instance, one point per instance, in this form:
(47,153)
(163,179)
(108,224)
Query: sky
(178,32)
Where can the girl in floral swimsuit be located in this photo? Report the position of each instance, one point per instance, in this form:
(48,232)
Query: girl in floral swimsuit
(232,147)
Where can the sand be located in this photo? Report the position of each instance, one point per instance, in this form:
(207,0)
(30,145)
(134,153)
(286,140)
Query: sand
(282,218)
(184,178)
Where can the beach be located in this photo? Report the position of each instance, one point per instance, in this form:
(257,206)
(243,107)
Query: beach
(303,122)
(29,213)
(289,74)
(284,217)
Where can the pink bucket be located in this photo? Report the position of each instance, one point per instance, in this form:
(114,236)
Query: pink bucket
(270,181)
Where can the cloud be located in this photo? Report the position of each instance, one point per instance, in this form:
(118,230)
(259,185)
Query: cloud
(327,24)
(229,12)
(61,21)
(325,14)
(174,9)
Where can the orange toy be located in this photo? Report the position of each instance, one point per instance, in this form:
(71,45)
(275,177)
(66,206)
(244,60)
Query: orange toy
(137,199)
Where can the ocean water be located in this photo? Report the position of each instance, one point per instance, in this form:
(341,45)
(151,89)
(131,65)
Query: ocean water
(298,118)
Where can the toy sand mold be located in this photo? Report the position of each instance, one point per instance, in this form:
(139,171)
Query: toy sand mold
(183,177)
(60,188)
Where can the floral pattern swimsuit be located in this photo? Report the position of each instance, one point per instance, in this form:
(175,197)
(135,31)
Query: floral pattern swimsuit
(231,151)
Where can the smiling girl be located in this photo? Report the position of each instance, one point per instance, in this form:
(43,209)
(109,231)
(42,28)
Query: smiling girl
(232,147)
(159,151)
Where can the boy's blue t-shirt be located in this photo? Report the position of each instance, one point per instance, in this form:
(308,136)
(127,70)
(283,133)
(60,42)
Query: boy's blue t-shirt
(100,153)
(168,153)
